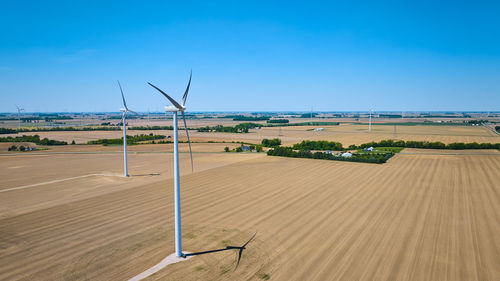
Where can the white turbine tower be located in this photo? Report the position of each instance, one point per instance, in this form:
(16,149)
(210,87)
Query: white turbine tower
(175,109)
(19,115)
(124,117)
(370,123)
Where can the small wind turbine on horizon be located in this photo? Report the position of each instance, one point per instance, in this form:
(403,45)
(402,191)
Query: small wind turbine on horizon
(175,109)
(19,115)
(124,111)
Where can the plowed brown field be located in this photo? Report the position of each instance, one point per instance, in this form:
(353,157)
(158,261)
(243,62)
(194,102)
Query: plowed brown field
(424,215)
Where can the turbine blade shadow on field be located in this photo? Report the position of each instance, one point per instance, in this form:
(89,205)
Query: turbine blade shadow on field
(239,248)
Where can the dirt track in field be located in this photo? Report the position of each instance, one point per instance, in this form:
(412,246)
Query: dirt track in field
(420,216)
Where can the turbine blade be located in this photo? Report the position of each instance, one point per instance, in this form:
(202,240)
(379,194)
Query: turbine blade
(123,98)
(189,142)
(239,258)
(132,112)
(242,248)
(187,89)
(249,240)
(176,104)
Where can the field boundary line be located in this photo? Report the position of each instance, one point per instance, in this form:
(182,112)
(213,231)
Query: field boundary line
(55,181)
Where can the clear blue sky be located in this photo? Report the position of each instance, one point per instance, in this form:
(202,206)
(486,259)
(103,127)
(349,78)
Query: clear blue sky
(250,55)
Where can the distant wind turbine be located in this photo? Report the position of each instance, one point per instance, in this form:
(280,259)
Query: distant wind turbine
(19,115)
(370,123)
(175,109)
(124,122)
(311,120)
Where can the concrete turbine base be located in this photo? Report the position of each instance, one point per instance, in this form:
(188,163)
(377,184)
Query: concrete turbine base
(166,261)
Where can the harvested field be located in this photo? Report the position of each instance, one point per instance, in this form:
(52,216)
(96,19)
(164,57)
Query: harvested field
(347,134)
(421,216)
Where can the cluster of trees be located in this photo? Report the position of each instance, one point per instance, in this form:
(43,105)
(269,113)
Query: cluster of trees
(378,158)
(278,121)
(130,139)
(497,128)
(240,128)
(271,143)
(249,118)
(430,145)
(7,131)
(318,145)
(34,139)
(21,148)
(257,148)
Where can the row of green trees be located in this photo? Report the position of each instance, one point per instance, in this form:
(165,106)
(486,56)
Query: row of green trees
(318,145)
(303,124)
(54,129)
(240,128)
(151,128)
(428,145)
(7,131)
(378,158)
(250,118)
(34,139)
(278,121)
(130,139)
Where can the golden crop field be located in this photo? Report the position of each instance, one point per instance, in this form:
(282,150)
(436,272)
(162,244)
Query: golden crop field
(424,215)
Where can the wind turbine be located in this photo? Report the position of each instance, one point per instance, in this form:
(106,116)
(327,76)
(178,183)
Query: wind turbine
(370,124)
(175,109)
(311,120)
(124,117)
(19,115)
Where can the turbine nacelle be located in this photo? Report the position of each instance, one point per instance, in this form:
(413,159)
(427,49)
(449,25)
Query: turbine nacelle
(172,108)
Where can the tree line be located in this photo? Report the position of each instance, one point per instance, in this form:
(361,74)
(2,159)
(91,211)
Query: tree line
(55,129)
(130,139)
(170,128)
(34,139)
(240,128)
(318,145)
(7,131)
(428,145)
(249,118)
(278,121)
